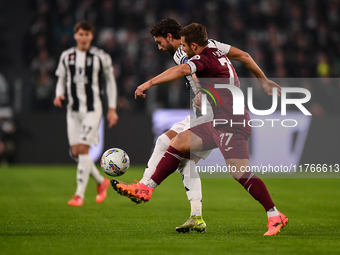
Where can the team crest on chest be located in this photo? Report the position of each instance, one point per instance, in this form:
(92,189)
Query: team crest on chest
(72,57)
(196,57)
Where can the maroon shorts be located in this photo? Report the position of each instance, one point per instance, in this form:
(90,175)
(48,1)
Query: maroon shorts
(232,141)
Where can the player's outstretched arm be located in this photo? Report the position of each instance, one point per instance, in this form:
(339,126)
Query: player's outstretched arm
(171,74)
(198,97)
(247,60)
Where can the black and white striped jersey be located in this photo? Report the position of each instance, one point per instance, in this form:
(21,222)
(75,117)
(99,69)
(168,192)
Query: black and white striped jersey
(180,57)
(79,72)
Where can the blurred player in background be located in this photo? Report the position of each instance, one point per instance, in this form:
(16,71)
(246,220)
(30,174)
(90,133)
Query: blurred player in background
(231,140)
(166,34)
(78,74)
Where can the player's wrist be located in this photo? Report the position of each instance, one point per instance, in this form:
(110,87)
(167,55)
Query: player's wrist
(199,90)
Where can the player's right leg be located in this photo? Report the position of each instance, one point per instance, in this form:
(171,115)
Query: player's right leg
(168,164)
(83,173)
(73,133)
(162,144)
(191,180)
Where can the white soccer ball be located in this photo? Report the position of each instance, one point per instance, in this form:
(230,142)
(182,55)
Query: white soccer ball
(115,162)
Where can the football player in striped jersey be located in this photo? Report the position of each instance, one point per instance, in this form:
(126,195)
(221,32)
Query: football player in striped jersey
(79,72)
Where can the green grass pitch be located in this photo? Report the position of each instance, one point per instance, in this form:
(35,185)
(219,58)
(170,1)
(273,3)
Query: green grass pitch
(35,217)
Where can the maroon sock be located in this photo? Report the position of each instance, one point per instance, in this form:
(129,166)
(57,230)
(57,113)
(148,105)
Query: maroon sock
(256,187)
(167,165)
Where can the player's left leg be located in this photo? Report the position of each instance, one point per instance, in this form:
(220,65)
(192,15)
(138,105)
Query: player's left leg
(258,190)
(234,148)
(193,188)
(102,183)
(89,135)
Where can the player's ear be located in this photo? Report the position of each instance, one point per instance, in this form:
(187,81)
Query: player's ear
(193,46)
(169,37)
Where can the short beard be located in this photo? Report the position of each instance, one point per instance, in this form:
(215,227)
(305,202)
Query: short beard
(170,49)
(190,54)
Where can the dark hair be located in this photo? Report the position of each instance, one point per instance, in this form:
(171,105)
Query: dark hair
(195,33)
(85,25)
(166,26)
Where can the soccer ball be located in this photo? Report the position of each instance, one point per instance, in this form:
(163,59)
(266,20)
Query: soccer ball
(115,162)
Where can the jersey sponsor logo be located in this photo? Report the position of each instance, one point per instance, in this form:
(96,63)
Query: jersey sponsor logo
(80,79)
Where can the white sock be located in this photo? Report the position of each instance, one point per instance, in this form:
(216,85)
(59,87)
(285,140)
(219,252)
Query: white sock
(272,212)
(98,178)
(192,185)
(150,183)
(83,173)
(144,179)
(196,208)
(162,144)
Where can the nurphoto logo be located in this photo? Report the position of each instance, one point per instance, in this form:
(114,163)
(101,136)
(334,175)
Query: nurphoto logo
(238,104)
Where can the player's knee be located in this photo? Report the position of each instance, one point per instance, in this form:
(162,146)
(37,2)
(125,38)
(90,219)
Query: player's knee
(83,149)
(75,153)
(235,168)
(162,142)
(181,143)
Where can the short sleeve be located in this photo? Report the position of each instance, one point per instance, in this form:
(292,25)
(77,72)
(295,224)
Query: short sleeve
(61,69)
(196,64)
(220,46)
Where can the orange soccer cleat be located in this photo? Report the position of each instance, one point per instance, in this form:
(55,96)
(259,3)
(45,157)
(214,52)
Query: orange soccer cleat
(283,218)
(135,190)
(101,189)
(76,201)
(275,224)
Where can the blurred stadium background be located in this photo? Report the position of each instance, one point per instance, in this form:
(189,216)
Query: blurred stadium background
(286,38)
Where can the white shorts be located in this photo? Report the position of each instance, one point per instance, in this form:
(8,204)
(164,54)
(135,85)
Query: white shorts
(83,127)
(192,121)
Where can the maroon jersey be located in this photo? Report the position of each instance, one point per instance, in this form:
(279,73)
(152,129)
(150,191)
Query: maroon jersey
(213,64)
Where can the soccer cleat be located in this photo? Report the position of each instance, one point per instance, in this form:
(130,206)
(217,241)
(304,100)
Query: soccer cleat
(114,183)
(284,219)
(274,225)
(193,223)
(135,190)
(76,201)
(144,192)
(101,189)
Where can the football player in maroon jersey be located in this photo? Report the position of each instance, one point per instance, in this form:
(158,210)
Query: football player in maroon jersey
(232,141)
